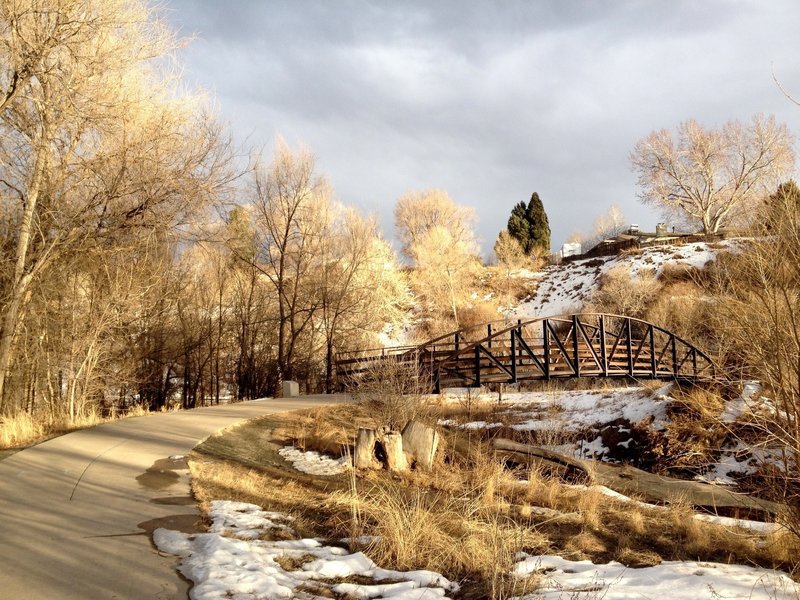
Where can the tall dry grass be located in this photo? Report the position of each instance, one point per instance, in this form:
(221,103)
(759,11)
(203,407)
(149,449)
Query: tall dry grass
(470,515)
(20,430)
(461,536)
(24,429)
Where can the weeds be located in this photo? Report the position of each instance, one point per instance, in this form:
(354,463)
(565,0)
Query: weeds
(23,429)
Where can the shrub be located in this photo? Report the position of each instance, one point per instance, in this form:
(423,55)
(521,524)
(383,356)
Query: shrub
(623,294)
(393,389)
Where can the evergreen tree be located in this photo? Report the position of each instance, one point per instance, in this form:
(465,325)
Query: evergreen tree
(788,193)
(785,200)
(529,226)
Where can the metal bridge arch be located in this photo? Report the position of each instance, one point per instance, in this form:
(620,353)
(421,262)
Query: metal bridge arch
(564,346)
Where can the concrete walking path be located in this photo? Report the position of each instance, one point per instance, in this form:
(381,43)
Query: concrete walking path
(76,511)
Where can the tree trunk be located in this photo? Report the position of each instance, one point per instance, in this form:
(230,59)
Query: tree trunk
(420,443)
(634,482)
(22,276)
(364,453)
(393,446)
(329,367)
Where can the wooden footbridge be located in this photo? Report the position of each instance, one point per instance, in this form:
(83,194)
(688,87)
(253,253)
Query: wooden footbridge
(567,346)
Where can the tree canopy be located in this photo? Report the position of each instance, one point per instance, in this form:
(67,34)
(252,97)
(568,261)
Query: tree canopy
(530,227)
(713,177)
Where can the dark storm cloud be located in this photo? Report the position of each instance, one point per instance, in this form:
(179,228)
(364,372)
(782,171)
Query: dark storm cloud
(488,100)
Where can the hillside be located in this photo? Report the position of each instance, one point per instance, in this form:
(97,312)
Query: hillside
(565,288)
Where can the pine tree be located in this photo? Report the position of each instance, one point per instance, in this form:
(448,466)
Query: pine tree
(785,200)
(530,227)
(518,226)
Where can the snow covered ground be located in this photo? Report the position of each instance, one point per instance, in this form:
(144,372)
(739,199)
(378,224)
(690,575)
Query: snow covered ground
(565,288)
(239,559)
(559,416)
(312,462)
(581,580)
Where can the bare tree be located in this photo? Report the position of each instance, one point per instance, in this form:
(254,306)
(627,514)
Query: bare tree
(508,251)
(253,310)
(361,287)
(445,268)
(607,225)
(98,149)
(291,201)
(713,177)
(437,236)
(756,321)
(416,213)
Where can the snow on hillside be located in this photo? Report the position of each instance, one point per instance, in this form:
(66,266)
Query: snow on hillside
(581,423)
(565,288)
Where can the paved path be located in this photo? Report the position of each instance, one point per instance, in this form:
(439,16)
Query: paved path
(75,511)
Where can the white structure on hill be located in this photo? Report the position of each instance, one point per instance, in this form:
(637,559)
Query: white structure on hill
(570,249)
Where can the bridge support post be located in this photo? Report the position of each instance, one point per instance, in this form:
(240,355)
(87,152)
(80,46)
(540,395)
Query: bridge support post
(546,339)
(629,345)
(575,357)
(513,356)
(603,356)
(674,356)
(477,366)
(653,366)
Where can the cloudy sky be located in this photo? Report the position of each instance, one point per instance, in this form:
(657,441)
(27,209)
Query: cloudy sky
(490,101)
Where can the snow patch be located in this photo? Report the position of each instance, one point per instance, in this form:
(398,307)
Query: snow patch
(230,562)
(565,288)
(312,462)
(561,578)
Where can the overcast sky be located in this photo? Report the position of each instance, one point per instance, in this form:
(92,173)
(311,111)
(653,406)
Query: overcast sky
(490,101)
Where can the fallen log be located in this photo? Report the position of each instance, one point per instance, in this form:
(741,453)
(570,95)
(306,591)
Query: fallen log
(634,482)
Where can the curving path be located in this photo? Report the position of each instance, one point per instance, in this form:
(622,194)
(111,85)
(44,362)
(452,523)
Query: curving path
(76,511)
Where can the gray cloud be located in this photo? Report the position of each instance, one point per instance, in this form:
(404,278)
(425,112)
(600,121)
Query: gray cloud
(488,100)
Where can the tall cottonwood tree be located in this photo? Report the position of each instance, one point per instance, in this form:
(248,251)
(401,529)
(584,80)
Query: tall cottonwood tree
(289,198)
(416,213)
(508,250)
(252,308)
(98,148)
(437,236)
(361,289)
(713,177)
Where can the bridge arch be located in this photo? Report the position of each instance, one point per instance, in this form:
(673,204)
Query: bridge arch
(555,347)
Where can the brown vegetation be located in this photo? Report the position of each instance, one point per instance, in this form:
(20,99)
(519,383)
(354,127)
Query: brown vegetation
(468,516)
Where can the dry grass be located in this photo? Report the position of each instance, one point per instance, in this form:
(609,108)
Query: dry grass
(20,430)
(460,536)
(23,429)
(468,517)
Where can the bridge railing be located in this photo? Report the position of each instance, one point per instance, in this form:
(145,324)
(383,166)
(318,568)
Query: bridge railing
(581,345)
(585,345)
